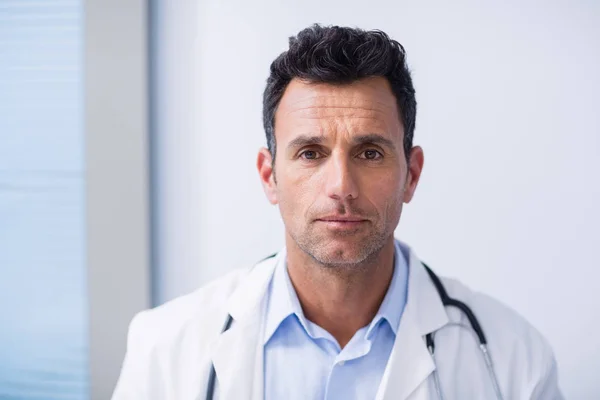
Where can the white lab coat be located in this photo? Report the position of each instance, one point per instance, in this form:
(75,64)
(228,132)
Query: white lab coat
(171,348)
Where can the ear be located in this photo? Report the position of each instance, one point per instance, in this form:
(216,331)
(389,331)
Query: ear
(415,167)
(264,163)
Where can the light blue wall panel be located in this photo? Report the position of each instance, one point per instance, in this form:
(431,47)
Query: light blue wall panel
(43,289)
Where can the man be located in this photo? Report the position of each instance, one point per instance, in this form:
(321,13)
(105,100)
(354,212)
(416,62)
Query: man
(344,311)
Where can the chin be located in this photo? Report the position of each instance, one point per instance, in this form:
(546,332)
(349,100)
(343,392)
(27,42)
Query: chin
(335,248)
(348,253)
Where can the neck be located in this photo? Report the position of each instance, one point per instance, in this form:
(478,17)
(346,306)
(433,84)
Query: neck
(340,299)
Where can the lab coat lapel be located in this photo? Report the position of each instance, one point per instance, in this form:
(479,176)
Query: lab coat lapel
(237,354)
(410,362)
(236,359)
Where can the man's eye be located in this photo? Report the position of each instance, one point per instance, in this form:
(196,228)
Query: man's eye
(309,155)
(371,155)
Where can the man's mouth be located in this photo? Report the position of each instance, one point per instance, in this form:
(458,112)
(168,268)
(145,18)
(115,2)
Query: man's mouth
(342,222)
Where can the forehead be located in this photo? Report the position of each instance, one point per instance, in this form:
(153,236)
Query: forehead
(368,102)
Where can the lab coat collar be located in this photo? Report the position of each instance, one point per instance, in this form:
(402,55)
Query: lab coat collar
(410,362)
(251,291)
(238,353)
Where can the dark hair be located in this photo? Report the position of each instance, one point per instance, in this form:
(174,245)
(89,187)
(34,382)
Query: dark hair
(339,55)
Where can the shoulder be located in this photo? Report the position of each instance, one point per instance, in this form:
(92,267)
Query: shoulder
(501,321)
(527,359)
(490,311)
(203,307)
(176,333)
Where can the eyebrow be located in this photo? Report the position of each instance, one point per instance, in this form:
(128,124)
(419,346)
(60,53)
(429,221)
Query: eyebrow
(304,140)
(374,138)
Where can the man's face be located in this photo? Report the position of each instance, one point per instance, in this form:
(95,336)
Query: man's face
(341,172)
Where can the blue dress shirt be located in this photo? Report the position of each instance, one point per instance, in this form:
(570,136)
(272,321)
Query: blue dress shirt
(304,361)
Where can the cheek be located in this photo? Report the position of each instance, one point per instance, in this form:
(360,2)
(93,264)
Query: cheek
(295,195)
(386,193)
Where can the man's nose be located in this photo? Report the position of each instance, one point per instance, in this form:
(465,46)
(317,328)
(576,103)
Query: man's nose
(341,183)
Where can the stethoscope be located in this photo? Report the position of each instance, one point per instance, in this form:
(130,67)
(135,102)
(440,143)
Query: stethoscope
(447,301)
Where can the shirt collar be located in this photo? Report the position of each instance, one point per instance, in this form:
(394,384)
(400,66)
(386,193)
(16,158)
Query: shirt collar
(393,303)
(280,305)
(283,300)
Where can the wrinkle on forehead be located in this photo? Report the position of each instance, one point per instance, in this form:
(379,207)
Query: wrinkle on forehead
(312,110)
(369,101)
(339,102)
(366,95)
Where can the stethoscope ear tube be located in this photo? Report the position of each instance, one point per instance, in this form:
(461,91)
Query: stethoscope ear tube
(448,301)
(430,343)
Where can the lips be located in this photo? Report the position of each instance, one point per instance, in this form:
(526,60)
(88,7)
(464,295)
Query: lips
(341,219)
(342,222)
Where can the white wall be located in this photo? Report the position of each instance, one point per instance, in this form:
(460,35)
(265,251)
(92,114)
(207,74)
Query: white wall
(508,117)
(116,180)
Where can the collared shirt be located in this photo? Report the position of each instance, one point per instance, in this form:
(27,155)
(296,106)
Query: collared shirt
(304,361)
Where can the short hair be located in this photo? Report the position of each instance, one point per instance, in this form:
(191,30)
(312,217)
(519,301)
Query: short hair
(341,55)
